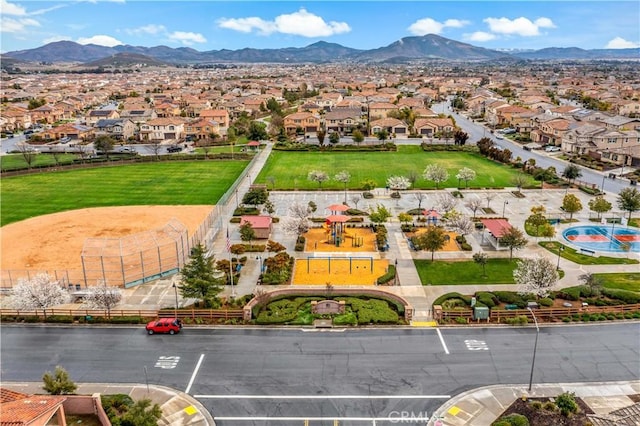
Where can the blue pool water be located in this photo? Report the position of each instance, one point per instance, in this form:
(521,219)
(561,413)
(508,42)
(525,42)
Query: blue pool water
(608,238)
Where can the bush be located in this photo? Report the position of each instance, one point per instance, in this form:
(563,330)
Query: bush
(511,298)
(367,195)
(461,320)
(546,302)
(371,311)
(566,319)
(390,275)
(567,404)
(466,247)
(519,320)
(63,319)
(487,298)
(299,247)
(356,212)
(244,211)
(126,320)
(536,405)
(300,240)
(453,295)
(512,420)
(550,406)
(625,296)
(348,318)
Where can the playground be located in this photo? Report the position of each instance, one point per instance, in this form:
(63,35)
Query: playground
(348,240)
(338,271)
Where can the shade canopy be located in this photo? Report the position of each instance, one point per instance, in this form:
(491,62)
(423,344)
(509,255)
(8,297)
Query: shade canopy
(337,218)
(497,227)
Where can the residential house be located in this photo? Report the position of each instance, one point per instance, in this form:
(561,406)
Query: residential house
(308,122)
(161,128)
(629,108)
(15,118)
(344,120)
(77,132)
(101,114)
(167,109)
(46,114)
(120,129)
(393,126)
(138,116)
(21,409)
(310,107)
(491,111)
(430,127)
(379,110)
(327,101)
(550,132)
(622,123)
(221,116)
(202,128)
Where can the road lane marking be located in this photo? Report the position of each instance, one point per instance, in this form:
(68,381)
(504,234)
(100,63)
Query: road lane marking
(476,345)
(228,396)
(195,372)
(424,323)
(444,345)
(167,362)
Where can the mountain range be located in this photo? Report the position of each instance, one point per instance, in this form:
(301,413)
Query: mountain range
(428,47)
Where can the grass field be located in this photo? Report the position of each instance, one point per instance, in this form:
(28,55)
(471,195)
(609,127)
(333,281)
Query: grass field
(16,161)
(623,281)
(290,169)
(174,183)
(571,254)
(499,271)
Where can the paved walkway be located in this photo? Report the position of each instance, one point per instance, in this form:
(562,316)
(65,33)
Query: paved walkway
(178,408)
(482,406)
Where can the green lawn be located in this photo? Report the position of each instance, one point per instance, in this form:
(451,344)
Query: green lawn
(623,281)
(499,271)
(16,161)
(583,259)
(162,183)
(290,169)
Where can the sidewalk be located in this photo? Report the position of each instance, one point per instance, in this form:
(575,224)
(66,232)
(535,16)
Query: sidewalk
(178,408)
(482,406)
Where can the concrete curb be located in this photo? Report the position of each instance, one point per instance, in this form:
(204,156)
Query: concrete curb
(490,401)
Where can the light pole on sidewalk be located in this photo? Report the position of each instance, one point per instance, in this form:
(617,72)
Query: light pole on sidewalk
(560,249)
(504,206)
(175,290)
(535,348)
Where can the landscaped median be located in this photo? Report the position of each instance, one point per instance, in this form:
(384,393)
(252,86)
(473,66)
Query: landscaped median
(579,303)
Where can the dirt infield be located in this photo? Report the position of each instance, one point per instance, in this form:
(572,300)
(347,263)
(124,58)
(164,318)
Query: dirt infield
(55,241)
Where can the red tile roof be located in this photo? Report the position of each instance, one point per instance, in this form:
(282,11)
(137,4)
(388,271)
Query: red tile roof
(257,222)
(497,227)
(22,409)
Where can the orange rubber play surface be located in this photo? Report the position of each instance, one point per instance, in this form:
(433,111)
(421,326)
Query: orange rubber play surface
(343,271)
(317,239)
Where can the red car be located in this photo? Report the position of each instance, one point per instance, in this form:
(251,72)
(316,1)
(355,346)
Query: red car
(164,325)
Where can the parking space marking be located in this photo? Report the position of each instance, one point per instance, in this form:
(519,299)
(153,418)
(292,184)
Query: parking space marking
(444,345)
(476,345)
(195,372)
(167,362)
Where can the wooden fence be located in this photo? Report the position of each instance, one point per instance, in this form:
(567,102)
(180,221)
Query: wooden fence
(496,315)
(149,313)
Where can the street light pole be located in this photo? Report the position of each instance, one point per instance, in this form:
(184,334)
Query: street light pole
(560,249)
(175,290)
(602,186)
(535,348)
(504,206)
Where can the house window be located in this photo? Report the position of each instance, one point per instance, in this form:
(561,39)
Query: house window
(611,140)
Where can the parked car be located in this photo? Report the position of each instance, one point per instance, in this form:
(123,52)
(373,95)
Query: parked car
(174,148)
(552,149)
(164,325)
(66,139)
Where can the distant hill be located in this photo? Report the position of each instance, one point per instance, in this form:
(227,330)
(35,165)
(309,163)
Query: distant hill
(125,59)
(428,47)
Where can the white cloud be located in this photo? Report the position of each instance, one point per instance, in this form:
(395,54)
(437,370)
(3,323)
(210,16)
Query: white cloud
(55,38)
(301,23)
(12,9)
(187,38)
(620,43)
(20,25)
(431,26)
(147,29)
(480,36)
(100,40)
(519,26)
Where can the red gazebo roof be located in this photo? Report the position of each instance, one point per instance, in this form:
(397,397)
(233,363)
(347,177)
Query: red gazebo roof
(431,213)
(337,218)
(253,143)
(338,208)
(497,227)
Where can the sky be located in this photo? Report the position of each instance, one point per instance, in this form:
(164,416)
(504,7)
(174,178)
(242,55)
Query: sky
(213,25)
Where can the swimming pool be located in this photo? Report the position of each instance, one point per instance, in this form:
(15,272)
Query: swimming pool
(603,238)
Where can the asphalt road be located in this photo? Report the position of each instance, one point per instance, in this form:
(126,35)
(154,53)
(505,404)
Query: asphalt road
(249,373)
(543,159)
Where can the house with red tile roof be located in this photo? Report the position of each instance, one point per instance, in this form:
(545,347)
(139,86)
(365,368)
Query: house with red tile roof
(393,126)
(20,409)
(221,116)
(429,127)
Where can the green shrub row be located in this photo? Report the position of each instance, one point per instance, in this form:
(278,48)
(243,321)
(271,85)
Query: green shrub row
(372,311)
(390,275)
(453,295)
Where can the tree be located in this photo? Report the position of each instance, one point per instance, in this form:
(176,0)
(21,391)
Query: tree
(343,177)
(255,196)
(142,413)
(481,259)
(571,173)
(28,152)
(334,138)
(318,176)
(599,205)
(272,181)
(447,202)
(489,196)
(474,205)
(413,177)
(461,224)
(571,204)
(321,135)
(420,197)
(104,144)
(312,206)
(519,181)
(514,239)
(269,207)
(355,199)
(379,215)
(357,136)
(297,223)
(460,137)
(368,184)
(466,174)
(398,183)
(58,383)
(436,173)
(257,131)
(537,218)
(382,135)
(434,238)
(156,147)
(629,200)
(405,217)
(103,297)
(247,233)
(198,278)
(39,292)
(537,275)
(594,282)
